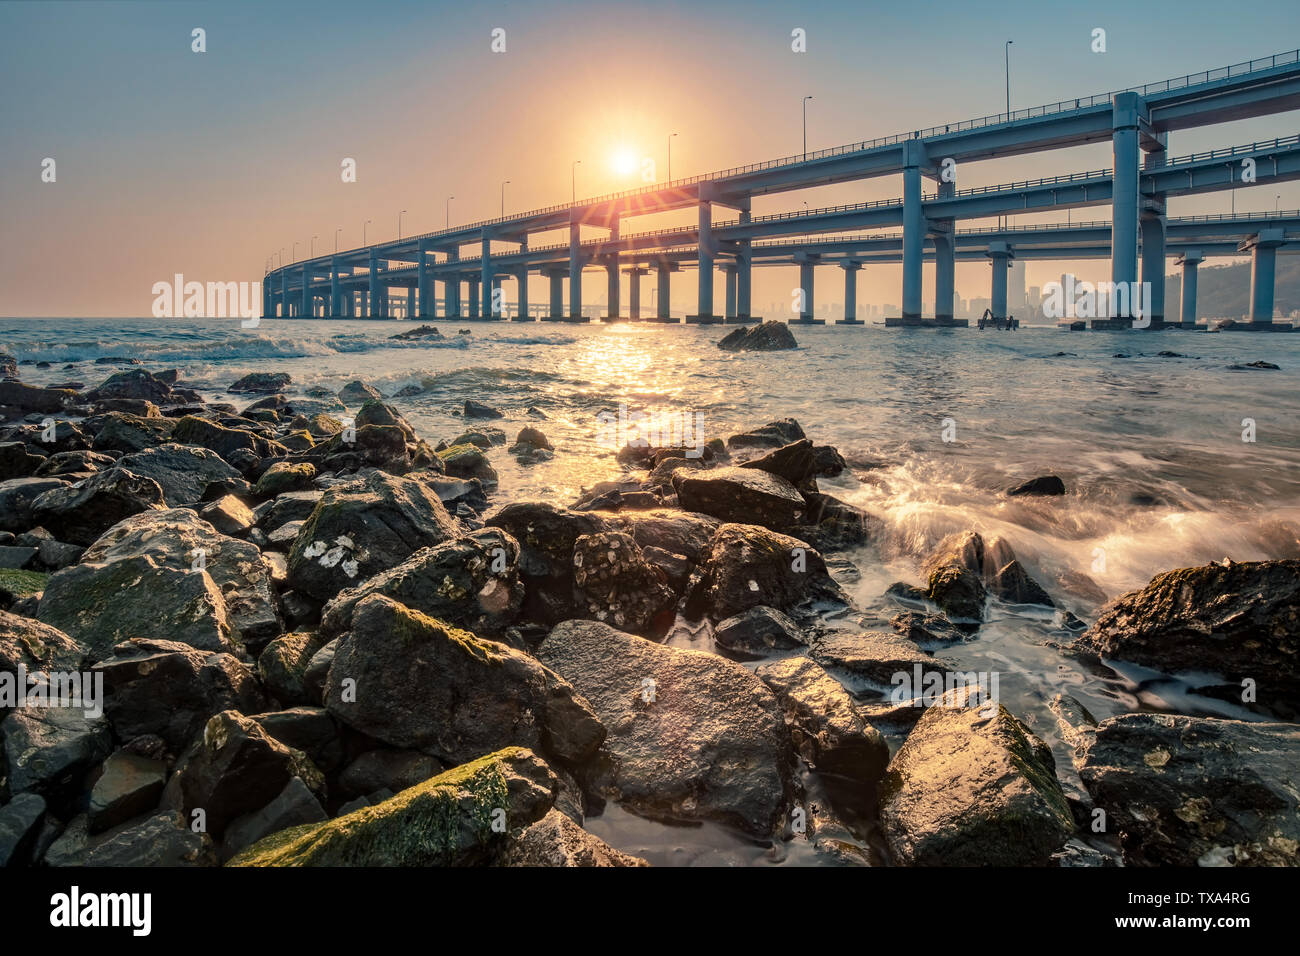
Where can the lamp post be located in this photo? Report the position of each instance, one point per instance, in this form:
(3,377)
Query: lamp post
(573,180)
(670,158)
(448,223)
(313,246)
(295,250)
(336,238)
(1276,200)
(363,230)
(399,223)
(805,126)
(504,184)
(1006,57)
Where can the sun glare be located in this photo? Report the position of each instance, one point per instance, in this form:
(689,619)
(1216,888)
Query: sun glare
(623,161)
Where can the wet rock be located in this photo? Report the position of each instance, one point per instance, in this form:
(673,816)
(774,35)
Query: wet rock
(393,770)
(446,821)
(479,410)
(534,437)
(426,686)
(691,736)
(8,364)
(775,434)
(954,576)
(876,656)
(613,583)
(767,337)
(169,690)
(793,462)
(261,382)
(482,437)
(829,730)
(746,566)
(128,786)
(163,839)
(48,750)
(294,806)
(181,471)
(833,525)
(283,665)
(555,840)
(546,536)
(1258,364)
(1240,620)
(135,383)
(757,632)
(677,532)
(470,582)
(119,431)
(86,602)
(967,789)
(739,494)
(1014,585)
(192,430)
(355,393)
(19,826)
(234,767)
(29,398)
(50,436)
(828,462)
(362,527)
(467,461)
(80,513)
(420,332)
(1195,791)
(925,628)
(181,540)
(1042,485)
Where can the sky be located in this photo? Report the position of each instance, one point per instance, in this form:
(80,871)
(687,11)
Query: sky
(208,164)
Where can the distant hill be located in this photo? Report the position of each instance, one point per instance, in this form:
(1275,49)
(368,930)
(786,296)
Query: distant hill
(1224,291)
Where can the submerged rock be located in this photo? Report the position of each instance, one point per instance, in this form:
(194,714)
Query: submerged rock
(262,383)
(1042,485)
(768,337)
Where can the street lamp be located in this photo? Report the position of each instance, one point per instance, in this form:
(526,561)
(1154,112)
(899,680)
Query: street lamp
(573,179)
(282,257)
(1006,56)
(313,246)
(363,230)
(805,126)
(295,250)
(1276,200)
(449,199)
(336,238)
(670,158)
(399,223)
(503,198)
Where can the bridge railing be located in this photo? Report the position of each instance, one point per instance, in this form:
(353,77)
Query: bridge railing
(1226,151)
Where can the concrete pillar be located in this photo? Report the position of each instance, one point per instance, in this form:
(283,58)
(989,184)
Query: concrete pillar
(557,293)
(425,282)
(575,270)
(851,290)
(266,298)
(913,229)
(704,306)
(1153,272)
(473,297)
(664,307)
(611,287)
(1125,119)
(306,293)
(945,275)
(634,292)
(410,302)
(1000,256)
(1263,271)
(521,277)
(486,277)
(372,294)
(491,308)
(1189,260)
(744,262)
(730,271)
(284,293)
(336,290)
(806,264)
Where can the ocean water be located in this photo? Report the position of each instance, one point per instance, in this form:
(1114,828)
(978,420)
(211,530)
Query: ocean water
(935,424)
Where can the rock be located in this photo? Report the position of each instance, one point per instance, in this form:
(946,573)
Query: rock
(128,786)
(1240,620)
(677,532)
(423,685)
(29,398)
(51,436)
(285,535)
(80,513)
(181,471)
(226,442)
(470,582)
(613,583)
(757,632)
(17,558)
(283,664)
(318,668)
(119,431)
(828,462)
(18,495)
(19,824)
(234,767)
(793,462)
(228,515)
(833,525)
(181,540)
(285,476)
(691,736)
(534,437)
(289,506)
(8,364)
(362,527)
(767,337)
(829,730)
(48,749)
(740,495)
(483,437)
(261,382)
(467,461)
(925,628)
(420,332)
(546,536)
(393,770)
(163,840)
(746,566)
(1014,585)
(1195,791)
(86,602)
(775,434)
(876,656)
(1042,485)
(446,821)
(358,392)
(479,410)
(309,729)
(555,840)
(135,383)
(74,465)
(169,690)
(954,576)
(16,461)
(967,789)
(1259,364)
(294,806)
(36,647)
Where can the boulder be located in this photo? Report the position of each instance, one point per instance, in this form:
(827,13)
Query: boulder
(284,476)
(162,840)
(261,383)
(49,749)
(119,431)
(17,497)
(739,494)
(226,442)
(555,840)
(746,566)
(294,806)
(420,332)
(614,583)
(757,632)
(925,628)
(1043,485)
(128,786)
(355,393)
(691,736)
(767,337)
(1013,584)
(134,383)
(29,398)
(74,465)
(459,818)
(183,472)
(17,462)
(362,527)
(36,647)
(422,685)
(967,789)
(467,461)
(228,515)
(470,582)
(19,826)
(793,462)
(82,512)
(829,524)
(479,410)
(954,576)
(282,666)
(775,434)
(875,656)
(393,770)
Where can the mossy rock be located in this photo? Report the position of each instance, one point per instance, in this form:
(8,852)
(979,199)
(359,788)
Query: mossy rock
(20,583)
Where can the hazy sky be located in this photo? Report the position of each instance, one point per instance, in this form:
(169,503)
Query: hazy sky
(209,163)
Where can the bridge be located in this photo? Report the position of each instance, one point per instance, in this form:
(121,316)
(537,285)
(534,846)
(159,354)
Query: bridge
(361,282)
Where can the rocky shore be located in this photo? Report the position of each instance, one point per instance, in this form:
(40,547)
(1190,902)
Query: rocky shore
(278,631)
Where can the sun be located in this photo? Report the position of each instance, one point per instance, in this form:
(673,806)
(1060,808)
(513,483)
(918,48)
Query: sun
(623,161)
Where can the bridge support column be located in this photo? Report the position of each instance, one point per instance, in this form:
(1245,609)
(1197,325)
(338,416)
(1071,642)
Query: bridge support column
(1189,260)
(521,277)
(575,270)
(473,297)
(557,293)
(1263,272)
(410,302)
(1125,121)
(284,293)
(634,293)
(1152,227)
(266,298)
(494,302)
(612,297)
(487,280)
(913,229)
(945,276)
(424,281)
(1000,256)
(850,268)
(306,293)
(372,295)
(806,300)
(336,290)
(744,265)
(664,305)
(729,270)
(704,301)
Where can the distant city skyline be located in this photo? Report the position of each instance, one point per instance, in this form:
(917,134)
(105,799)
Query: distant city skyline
(210,163)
